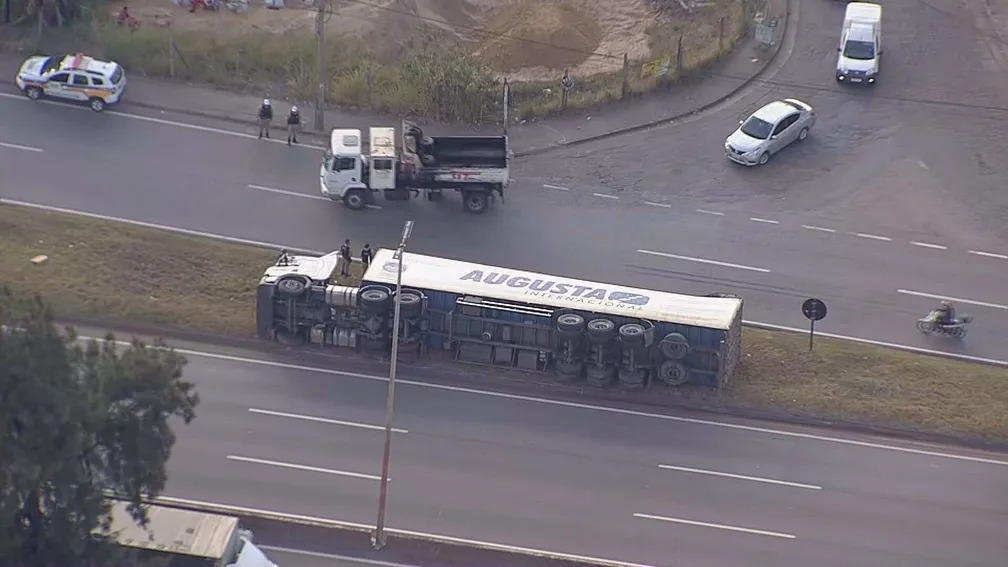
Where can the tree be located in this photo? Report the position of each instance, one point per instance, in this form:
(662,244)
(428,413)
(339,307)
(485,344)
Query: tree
(75,422)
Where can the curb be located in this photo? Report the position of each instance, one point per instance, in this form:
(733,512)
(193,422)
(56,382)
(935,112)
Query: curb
(638,127)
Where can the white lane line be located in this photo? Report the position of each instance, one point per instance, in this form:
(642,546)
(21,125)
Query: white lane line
(308,468)
(286,192)
(325,420)
(604,196)
(557,187)
(706,212)
(331,556)
(20,147)
(989,254)
(662,205)
(764,221)
(872,236)
(622,411)
(818,228)
(928,245)
(715,526)
(950,298)
(704,261)
(742,477)
(164,122)
(329,523)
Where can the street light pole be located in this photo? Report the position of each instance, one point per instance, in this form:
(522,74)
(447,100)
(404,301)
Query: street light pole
(378,538)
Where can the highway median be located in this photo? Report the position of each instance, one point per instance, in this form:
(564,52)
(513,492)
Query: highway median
(120,275)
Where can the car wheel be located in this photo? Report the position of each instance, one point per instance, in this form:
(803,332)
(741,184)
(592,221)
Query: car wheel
(803,134)
(764,158)
(33,93)
(97,104)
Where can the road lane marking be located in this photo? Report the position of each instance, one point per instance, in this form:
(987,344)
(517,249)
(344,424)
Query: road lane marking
(989,254)
(618,410)
(716,526)
(286,192)
(928,245)
(557,187)
(20,147)
(604,196)
(704,261)
(165,122)
(706,212)
(949,298)
(308,468)
(329,523)
(873,236)
(325,420)
(662,205)
(742,477)
(818,228)
(764,221)
(332,556)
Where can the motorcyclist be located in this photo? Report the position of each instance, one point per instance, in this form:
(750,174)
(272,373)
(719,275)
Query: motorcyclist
(945,314)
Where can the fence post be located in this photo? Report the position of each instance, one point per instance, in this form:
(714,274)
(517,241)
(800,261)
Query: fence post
(238,64)
(171,56)
(370,88)
(678,58)
(720,37)
(626,76)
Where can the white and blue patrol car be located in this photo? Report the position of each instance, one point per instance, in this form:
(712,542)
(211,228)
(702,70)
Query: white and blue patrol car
(72,77)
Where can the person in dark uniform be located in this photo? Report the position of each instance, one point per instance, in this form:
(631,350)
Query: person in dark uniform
(345,259)
(265,117)
(365,256)
(293,122)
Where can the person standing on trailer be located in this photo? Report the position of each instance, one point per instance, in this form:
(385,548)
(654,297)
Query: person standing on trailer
(365,257)
(344,258)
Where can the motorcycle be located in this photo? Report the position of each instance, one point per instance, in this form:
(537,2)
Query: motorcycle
(929,326)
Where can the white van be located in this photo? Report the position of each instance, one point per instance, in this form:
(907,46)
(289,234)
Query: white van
(860,49)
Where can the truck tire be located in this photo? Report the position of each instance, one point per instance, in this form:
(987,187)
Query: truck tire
(672,372)
(674,346)
(410,304)
(476,201)
(632,333)
(601,331)
(290,338)
(354,199)
(600,376)
(569,370)
(570,324)
(291,286)
(427,160)
(374,299)
(633,379)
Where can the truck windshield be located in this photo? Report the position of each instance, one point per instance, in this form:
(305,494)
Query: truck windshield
(863,50)
(757,128)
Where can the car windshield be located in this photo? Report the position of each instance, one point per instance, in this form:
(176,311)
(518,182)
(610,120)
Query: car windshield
(863,50)
(117,75)
(757,128)
(50,64)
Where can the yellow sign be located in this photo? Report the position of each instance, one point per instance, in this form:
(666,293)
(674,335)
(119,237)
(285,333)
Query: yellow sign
(656,68)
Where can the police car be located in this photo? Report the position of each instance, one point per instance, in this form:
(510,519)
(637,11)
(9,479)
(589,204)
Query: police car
(72,77)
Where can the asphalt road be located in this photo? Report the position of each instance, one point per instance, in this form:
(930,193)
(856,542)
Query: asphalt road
(285,557)
(580,480)
(209,180)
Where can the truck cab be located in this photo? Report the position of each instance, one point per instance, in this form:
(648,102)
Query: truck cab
(860,49)
(344,166)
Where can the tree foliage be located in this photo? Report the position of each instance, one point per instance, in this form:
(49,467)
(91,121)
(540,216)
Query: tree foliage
(75,422)
(53,13)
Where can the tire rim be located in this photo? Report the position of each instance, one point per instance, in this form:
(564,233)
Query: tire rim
(354,200)
(475,204)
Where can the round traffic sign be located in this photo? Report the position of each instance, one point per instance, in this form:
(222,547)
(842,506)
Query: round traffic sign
(813,309)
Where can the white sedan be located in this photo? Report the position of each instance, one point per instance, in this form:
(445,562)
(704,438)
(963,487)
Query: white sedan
(769,130)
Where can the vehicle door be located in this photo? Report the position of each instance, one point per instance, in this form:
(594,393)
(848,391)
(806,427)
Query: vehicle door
(785,131)
(58,85)
(80,86)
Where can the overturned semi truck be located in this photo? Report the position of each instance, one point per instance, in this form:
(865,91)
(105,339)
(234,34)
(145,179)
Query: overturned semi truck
(500,317)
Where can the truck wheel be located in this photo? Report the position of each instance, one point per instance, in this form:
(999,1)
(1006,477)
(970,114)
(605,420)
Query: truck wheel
(570,324)
(600,376)
(290,338)
(674,346)
(570,370)
(410,304)
(291,286)
(476,202)
(354,199)
(672,373)
(601,331)
(633,379)
(632,333)
(34,93)
(374,300)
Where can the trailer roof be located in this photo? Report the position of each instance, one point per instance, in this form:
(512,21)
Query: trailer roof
(174,530)
(442,274)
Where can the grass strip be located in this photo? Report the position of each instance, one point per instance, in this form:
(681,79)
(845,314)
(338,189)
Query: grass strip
(115,272)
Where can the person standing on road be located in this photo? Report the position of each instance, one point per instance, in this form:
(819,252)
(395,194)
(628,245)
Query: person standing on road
(365,257)
(265,118)
(293,122)
(344,258)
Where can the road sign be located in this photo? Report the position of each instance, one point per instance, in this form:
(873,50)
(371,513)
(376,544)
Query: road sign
(813,310)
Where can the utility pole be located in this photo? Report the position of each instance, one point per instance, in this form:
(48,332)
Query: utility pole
(320,70)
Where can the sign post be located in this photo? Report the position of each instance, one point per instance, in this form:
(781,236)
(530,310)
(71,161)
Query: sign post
(814,310)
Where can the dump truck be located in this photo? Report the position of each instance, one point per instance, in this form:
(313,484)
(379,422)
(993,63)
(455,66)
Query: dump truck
(477,167)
